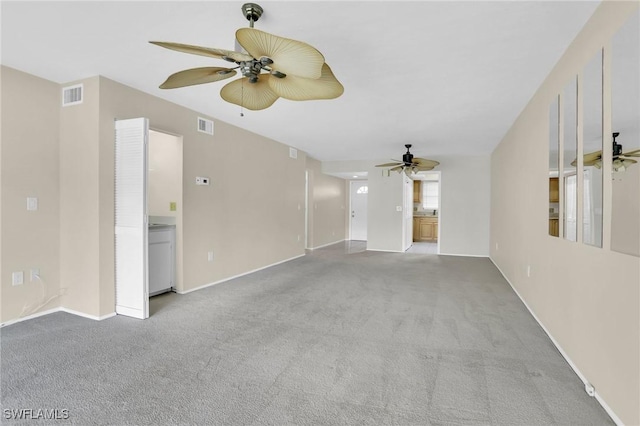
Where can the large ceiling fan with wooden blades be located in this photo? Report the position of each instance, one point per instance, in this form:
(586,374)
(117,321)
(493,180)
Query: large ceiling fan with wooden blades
(620,160)
(273,67)
(410,164)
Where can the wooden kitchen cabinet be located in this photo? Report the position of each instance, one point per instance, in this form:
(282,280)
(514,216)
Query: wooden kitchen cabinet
(417,191)
(554,227)
(425,228)
(554,190)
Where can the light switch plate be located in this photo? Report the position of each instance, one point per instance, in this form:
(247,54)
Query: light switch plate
(17,278)
(32,203)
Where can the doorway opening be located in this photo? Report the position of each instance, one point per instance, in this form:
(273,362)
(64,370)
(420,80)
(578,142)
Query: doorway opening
(165,210)
(427,213)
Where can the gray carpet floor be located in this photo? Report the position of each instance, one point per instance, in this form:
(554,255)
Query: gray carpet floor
(340,336)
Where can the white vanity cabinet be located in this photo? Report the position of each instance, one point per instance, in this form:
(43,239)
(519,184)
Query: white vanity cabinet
(162,258)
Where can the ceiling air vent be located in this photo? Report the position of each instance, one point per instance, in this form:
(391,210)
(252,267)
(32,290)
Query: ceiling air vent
(293,153)
(72,95)
(205,126)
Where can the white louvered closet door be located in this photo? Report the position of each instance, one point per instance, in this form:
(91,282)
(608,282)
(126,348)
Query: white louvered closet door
(131,230)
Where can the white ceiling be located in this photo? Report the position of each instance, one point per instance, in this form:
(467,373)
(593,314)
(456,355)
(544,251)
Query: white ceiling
(449,77)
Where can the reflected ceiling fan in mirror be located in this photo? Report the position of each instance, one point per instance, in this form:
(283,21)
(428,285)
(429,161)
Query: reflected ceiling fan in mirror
(410,164)
(620,160)
(273,67)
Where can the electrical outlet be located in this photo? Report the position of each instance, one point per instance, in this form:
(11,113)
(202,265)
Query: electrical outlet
(588,387)
(210,256)
(34,274)
(200,180)
(32,203)
(17,278)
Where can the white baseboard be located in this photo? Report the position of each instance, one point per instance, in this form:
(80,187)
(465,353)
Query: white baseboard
(239,275)
(28,317)
(582,377)
(82,314)
(326,245)
(54,310)
(465,255)
(387,251)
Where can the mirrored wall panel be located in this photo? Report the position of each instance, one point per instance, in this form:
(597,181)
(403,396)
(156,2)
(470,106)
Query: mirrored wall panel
(554,167)
(625,140)
(570,143)
(592,149)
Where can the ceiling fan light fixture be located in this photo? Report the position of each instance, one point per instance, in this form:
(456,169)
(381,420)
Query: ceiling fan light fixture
(265,61)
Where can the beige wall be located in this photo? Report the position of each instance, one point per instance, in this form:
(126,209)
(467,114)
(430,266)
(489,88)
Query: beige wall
(79,203)
(587,298)
(464,210)
(29,168)
(249,217)
(327,205)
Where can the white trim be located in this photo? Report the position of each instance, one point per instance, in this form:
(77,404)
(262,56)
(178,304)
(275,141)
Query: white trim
(53,311)
(582,377)
(28,317)
(330,244)
(238,276)
(82,314)
(388,251)
(464,255)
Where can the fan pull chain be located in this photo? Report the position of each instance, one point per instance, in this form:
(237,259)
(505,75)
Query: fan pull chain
(242,97)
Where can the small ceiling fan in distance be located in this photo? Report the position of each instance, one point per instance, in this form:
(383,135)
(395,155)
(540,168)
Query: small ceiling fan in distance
(410,164)
(620,160)
(272,67)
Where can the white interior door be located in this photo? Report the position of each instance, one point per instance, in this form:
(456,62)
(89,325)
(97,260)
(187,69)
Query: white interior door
(131,220)
(359,193)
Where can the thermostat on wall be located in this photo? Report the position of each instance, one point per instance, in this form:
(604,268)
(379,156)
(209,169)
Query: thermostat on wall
(202,180)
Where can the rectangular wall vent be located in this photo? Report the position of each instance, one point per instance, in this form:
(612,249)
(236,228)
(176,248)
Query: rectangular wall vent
(72,95)
(205,126)
(293,153)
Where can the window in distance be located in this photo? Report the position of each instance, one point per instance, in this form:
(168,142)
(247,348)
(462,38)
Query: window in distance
(430,191)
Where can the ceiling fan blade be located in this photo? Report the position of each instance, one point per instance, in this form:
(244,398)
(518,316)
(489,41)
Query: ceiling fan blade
(253,96)
(634,153)
(197,76)
(289,56)
(424,168)
(203,51)
(297,88)
(396,169)
(596,163)
(592,156)
(390,164)
(425,162)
